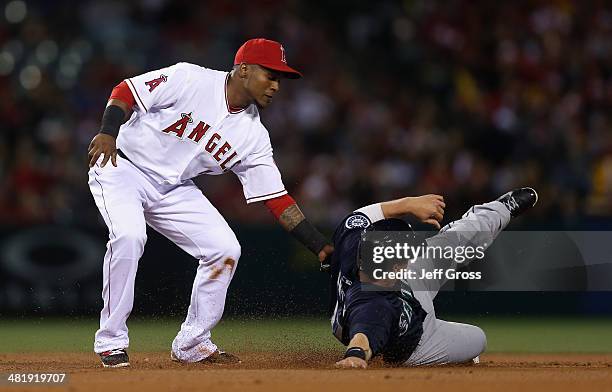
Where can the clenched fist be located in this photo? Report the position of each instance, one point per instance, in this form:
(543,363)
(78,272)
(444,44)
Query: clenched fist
(428,208)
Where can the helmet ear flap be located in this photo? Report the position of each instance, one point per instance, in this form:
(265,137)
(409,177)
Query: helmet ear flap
(392,226)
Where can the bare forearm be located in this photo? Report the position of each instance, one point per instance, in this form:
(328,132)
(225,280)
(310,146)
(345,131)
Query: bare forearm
(396,208)
(293,220)
(428,209)
(291,217)
(357,354)
(388,209)
(361,341)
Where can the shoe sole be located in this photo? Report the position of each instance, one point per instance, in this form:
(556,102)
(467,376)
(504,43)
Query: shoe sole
(119,365)
(175,359)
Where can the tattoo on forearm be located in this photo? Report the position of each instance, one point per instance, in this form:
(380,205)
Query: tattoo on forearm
(291,217)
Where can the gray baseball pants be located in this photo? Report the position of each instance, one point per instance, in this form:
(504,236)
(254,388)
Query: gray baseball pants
(445,342)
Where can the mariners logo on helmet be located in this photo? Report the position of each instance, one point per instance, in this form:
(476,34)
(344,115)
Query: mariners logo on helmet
(357,221)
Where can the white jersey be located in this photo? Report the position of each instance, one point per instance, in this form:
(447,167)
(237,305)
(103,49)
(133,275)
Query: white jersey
(183,127)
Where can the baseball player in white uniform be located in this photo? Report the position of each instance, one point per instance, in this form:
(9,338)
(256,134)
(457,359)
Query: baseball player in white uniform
(159,130)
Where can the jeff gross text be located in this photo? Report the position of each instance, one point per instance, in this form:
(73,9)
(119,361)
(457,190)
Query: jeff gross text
(426,274)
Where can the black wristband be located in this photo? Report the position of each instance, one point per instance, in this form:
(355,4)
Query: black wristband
(111,120)
(355,352)
(309,236)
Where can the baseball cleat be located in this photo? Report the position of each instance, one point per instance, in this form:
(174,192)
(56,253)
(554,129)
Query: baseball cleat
(115,358)
(218,358)
(221,358)
(519,200)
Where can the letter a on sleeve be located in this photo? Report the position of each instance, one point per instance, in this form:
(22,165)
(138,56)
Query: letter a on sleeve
(161,88)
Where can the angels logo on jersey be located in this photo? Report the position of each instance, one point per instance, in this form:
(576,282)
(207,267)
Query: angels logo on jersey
(156,82)
(180,125)
(222,153)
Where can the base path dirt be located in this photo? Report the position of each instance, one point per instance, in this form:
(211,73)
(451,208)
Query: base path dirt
(310,372)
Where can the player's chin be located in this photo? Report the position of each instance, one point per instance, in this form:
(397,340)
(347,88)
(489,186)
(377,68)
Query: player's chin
(264,102)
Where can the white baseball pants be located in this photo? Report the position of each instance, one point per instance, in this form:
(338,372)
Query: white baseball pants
(445,342)
(127,199)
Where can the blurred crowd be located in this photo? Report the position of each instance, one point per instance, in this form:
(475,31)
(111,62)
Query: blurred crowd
(462,98)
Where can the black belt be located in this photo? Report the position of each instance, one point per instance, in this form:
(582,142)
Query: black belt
(122,155)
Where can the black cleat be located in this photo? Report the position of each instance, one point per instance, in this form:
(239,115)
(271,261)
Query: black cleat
(217,358)
(115,358)
(519,200)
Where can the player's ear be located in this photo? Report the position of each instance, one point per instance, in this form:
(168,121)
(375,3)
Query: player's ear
(243,70)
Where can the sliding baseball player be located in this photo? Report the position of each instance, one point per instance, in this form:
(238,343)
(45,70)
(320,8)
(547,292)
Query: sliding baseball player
(396,318)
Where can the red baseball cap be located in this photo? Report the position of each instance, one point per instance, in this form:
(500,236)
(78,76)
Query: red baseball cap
(267,53)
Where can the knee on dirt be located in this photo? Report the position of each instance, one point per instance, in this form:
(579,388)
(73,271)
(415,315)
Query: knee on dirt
(478,339)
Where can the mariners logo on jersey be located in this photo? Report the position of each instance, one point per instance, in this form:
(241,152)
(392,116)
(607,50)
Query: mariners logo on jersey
(357,221)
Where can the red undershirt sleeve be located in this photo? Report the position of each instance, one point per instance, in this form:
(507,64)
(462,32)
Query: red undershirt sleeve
(122,93)
(279,204)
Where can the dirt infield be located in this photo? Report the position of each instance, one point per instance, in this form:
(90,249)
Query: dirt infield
(312,372)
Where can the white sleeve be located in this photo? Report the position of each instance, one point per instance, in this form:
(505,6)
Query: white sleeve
(259,175)
(374,212)
(161,88)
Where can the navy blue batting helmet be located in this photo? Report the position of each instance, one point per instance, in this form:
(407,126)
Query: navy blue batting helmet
(399,230)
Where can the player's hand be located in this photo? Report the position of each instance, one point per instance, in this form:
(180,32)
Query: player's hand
(102,144)
(325,257)
(428,209)
(352,363)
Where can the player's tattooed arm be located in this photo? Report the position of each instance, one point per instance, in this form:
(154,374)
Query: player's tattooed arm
(294,221)
(291,217)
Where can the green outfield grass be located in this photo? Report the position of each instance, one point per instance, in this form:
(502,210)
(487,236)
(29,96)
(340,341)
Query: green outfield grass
(542,335)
